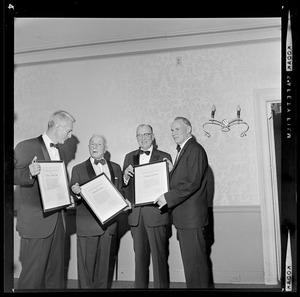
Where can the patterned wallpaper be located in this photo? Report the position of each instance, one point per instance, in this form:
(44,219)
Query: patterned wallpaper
(113,95)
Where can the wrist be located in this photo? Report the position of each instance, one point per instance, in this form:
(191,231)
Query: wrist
(126,179)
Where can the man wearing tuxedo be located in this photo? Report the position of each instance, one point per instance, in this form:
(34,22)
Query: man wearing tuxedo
(149,226)
(95,259)
(42,233)
(188,202)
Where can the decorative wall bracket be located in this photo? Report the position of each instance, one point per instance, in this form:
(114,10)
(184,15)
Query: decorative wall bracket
(225,124)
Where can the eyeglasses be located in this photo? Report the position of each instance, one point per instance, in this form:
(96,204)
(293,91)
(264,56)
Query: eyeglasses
(145,135)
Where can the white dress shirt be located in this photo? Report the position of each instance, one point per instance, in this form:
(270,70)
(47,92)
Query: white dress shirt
(144,158)
(54,156)
(99,168)
(181,147)
(53,151)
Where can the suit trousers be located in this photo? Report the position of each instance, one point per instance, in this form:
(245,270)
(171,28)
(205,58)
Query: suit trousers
(155,240)
(194,257)
(94,260)
(43,260)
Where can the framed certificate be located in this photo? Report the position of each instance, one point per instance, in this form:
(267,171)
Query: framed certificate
(103,197)
(150,181)
(53,185)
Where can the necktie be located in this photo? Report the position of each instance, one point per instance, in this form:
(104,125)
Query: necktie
(102,161)
(144,152)
(53,145)
(178,148)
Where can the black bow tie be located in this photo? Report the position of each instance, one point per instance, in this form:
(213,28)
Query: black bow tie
(145,152)
(102,161)
(53,145)
(178,148)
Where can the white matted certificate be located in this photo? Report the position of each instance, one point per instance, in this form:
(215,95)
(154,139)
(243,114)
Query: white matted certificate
(103,197)
(150,181)
(53,185)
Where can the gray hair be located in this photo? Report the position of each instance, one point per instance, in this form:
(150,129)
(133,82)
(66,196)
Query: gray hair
(60,116)
(185,120)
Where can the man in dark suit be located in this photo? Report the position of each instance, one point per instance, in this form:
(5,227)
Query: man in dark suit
(42,233)
(187,199)
(95,259)
(149,227)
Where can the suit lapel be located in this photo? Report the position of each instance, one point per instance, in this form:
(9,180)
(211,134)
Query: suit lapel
(112,174)
(89,168)
(44,149)
(61,155)
(182,153)
(176,162)
(154,156)
(136,158)
(91,172)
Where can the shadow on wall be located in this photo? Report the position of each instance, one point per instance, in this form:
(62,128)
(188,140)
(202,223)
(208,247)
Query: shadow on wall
(209,229)
(210,226)
(68,151)
(122,228)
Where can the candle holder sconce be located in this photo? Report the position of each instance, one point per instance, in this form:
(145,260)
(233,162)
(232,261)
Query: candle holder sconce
(225,124)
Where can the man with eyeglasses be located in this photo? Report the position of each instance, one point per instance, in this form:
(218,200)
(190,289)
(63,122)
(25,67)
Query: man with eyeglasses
(149,226)
(95,259)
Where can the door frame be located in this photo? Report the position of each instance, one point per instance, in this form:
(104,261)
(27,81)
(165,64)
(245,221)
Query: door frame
(267,185)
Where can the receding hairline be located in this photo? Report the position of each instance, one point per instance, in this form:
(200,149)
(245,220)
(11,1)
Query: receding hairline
(144,125)
(185,120)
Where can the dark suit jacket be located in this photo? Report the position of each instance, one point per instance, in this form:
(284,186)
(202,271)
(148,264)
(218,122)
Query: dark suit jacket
(32,222)
(188,187)
(87,224)
(151,214)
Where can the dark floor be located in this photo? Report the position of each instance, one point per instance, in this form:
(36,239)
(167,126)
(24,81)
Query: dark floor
(72,284)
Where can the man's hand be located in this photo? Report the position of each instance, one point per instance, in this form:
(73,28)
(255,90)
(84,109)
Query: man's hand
(128,173)
(34,167)
(170,165)
(129,205)
(161,201)
(76,190)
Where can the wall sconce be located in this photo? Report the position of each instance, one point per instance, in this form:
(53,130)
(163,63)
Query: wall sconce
(225,124)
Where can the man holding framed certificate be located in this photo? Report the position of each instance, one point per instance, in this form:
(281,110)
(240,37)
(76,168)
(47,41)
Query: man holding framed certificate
(149,226)
(42,231)
(187,200)
(97,187)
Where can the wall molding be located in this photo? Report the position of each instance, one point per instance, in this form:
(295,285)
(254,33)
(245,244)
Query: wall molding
(236,208)
(148,44)
(247,277)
